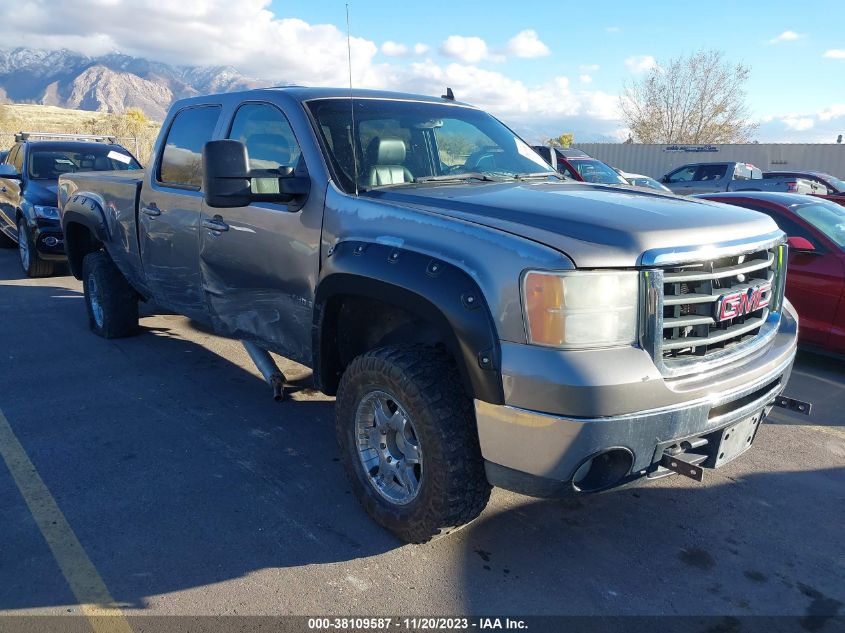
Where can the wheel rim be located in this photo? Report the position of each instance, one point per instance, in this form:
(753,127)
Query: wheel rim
(388,447)
(23,245)
(94,299)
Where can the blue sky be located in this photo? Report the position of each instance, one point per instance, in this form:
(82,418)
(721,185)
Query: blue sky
(543,67)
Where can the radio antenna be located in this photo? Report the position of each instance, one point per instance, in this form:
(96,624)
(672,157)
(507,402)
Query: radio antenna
(351,102)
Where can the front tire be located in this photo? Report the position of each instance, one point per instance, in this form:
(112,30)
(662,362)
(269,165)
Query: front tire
(409,442)
(32,264)
(111,302)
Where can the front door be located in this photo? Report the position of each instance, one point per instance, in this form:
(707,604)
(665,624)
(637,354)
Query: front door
(169,214)
(260,263)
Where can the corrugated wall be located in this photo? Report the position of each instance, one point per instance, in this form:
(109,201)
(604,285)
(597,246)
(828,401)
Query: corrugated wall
(655,160)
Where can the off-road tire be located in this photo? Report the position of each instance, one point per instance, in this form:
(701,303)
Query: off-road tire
(453,488)
(115,297)
(35,266)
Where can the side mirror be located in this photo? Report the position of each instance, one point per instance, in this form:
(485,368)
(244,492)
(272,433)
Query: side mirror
(10,172)
(227,179)
(801,244)
(664,179)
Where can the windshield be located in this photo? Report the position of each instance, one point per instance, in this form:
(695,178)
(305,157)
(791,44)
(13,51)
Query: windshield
(827,217)
(406,142)
(596,171)
(49,164)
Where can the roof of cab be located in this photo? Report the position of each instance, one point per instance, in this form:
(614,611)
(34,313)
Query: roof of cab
(302,94)
(782,198)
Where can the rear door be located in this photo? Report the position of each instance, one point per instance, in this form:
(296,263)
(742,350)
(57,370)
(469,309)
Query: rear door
(710,177)
(260,262)
(10,193)
(169,213)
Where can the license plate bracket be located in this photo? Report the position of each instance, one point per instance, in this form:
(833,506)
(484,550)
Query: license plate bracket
(737,438)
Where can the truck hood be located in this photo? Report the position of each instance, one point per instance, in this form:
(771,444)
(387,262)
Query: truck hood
(44,193)
(595,226)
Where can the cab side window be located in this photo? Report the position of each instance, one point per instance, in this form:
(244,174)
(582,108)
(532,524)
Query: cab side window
(269,141)
(181,161)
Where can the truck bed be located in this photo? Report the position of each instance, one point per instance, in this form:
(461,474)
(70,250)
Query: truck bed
(116,194)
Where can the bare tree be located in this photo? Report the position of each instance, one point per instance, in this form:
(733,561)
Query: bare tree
(696,99)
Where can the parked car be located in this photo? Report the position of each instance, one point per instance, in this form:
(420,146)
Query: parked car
(29,175)
(639,180)
(575,164)
(711,177)
(479,321)
(816,280)
(831,187)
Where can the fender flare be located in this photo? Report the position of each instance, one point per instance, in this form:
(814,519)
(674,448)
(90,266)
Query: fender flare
(438,292)
(88,212)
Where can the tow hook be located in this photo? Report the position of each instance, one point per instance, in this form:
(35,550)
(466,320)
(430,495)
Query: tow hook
(676,464)
(798,406)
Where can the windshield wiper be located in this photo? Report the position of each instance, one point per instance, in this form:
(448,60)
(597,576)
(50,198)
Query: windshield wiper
(471,175)
(537,175)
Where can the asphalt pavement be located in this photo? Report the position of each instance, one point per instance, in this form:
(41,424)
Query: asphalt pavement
(190,491)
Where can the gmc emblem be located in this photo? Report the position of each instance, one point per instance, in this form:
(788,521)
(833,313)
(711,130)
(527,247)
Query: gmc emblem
(739,303)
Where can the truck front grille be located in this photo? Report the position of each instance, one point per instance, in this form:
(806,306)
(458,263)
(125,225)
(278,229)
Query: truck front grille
(708,310)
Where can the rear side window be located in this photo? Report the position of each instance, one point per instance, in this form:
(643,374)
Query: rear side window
(181,161)
(17,158)
(710,172)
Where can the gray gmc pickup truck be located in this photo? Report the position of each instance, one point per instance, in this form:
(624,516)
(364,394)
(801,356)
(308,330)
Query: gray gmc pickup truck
(480,321)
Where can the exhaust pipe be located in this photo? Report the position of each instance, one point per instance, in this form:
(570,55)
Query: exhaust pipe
(268,368)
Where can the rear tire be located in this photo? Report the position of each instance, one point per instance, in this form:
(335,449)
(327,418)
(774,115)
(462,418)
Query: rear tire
(443,486)
(32,264)
(112,304)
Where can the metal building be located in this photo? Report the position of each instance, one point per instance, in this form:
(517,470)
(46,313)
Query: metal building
(656,160)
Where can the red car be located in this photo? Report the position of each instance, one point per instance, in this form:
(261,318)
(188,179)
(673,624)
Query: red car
(835,188)
(578,165)
(815,281)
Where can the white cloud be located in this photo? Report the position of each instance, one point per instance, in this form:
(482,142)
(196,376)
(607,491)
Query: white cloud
(835,53)
(798,123)
(586,79)
(394,49)
(240,33)
(837,110)
(248,36)
(612,29)
(786,36)
(470,50)
(526,44)
(822,126)
(588,68)
(640,63)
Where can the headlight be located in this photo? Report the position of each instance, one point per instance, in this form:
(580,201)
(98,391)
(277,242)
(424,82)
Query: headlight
(581,309)
(47,213)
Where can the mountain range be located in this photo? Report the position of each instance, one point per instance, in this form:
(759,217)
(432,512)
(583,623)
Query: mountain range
(108,83)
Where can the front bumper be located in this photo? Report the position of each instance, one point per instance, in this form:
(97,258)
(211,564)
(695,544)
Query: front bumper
(49,240)
(539,453)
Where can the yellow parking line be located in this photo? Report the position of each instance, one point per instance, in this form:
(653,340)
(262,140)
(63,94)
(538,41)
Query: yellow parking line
(94,598)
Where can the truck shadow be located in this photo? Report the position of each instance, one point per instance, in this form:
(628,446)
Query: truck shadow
(752,544)
(176,471)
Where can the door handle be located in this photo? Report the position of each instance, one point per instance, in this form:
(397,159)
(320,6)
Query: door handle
(215,224)
(151,210)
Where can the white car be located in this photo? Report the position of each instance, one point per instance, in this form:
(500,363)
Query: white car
(639,180)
